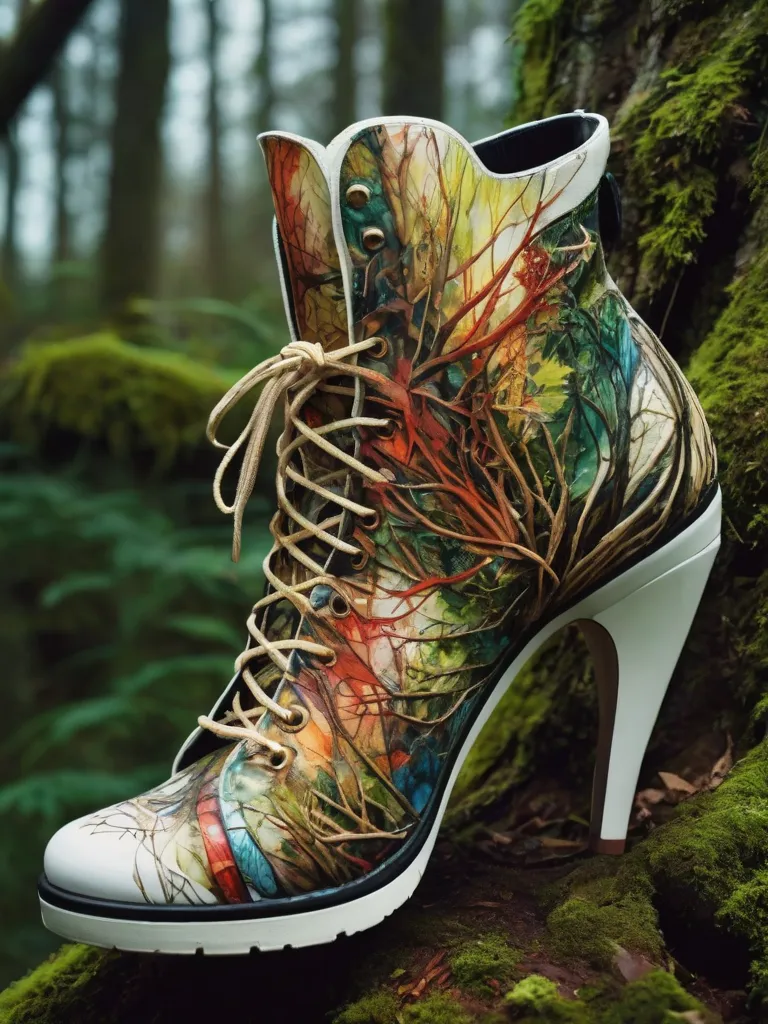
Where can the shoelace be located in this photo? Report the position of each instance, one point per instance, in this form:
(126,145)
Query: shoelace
(293,375)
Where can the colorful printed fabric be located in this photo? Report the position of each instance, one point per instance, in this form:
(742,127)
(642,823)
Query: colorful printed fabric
(542,438)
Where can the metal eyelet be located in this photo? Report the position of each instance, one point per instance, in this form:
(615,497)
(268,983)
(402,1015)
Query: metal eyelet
(373,239)
(278,759)
(339,606)
(357,195)
(299,718)
(386,433)
(372,522)
(360,560)
(381,350)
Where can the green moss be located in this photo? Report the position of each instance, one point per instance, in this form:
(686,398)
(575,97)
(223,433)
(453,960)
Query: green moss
(376,1008)
(677,135)
(49,992)
(537,999)
(540,28)
(658,998)
(607,904)
(488,957)
(730,370)
(101,388)
(435,1009)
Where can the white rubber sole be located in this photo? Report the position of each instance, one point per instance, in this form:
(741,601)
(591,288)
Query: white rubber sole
(646,612)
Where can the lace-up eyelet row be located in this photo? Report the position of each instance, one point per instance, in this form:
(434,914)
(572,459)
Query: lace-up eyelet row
(290,378)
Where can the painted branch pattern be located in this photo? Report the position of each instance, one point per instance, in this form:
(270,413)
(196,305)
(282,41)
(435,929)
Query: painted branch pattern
(541,437)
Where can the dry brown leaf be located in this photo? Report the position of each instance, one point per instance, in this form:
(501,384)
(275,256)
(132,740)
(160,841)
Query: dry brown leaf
(417,991)
(501,838)
(553,843)
(676,784)
(722,766)
(650,797)
(485,903)
(436,959)
(631,966)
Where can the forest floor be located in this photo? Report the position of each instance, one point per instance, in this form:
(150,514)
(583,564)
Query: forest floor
(503,927)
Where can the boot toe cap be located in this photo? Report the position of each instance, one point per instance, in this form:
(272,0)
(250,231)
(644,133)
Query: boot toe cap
(91,859)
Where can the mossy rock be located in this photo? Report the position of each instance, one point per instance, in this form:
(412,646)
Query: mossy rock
(104,390)
(487,959)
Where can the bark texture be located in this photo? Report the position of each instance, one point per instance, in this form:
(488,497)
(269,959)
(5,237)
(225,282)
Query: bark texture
(514,921)
(413,58)
(130,252)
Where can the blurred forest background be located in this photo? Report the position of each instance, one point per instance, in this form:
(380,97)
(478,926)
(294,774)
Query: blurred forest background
(137,283)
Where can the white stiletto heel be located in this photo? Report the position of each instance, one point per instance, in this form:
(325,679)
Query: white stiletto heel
(635,645)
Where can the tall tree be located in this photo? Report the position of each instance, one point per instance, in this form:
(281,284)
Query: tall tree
(43,29)
(61,119)
(215,243)
(344,79)
(9,255)
(266,98)
(132,237)
(413,58)
(9,249)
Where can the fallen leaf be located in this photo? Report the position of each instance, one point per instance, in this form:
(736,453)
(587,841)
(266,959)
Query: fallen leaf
(417,991)
(501,839)
(484,903)
(436,959)
(553,843)
(650,797)
(397,973)
(676,784)
(631,966)
(722,766)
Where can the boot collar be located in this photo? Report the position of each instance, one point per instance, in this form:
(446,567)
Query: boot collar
(567,155)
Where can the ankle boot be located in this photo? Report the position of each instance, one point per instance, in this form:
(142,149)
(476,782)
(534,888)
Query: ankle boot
(483,443)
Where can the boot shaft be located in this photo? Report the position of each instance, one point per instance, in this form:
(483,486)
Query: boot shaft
(539,417)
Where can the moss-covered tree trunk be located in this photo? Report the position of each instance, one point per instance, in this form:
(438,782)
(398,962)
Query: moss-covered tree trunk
(677,930)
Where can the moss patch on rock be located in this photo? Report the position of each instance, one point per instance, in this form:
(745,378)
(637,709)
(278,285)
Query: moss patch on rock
(487,958)
(604,905)
(100,388)
(48,993)
(379,1007)
(536,998)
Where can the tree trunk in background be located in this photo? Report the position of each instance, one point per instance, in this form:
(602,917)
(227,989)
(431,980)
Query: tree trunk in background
(132,239)
(43,29)
(413,58)
(217,276)
(263,68)
(9,251)
(9,255)
(61,248)
(346,14)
